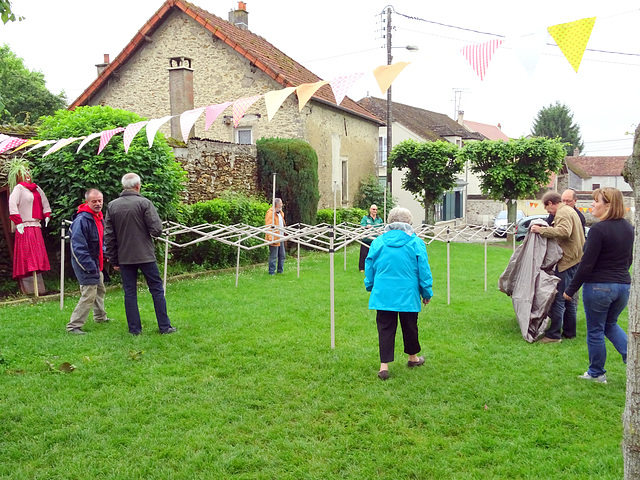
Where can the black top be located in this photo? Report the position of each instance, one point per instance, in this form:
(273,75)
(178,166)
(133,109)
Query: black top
(608,254)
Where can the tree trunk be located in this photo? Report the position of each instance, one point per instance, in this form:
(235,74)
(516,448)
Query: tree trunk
(429,213)
(631,416)
(512,215)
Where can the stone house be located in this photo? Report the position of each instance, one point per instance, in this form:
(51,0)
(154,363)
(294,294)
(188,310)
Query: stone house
(185,57)
(585,174)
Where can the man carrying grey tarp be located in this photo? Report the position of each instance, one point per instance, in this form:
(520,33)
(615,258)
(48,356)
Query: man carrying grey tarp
(531,284)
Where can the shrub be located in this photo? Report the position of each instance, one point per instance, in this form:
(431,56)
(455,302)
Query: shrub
(351,215)
(225,211)
(371,192)
(65,175)
(296,165)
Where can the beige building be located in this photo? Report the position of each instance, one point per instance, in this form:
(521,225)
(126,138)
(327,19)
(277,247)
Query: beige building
(185,57)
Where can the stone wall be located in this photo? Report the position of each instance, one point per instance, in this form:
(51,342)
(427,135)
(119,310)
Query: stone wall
(216,167)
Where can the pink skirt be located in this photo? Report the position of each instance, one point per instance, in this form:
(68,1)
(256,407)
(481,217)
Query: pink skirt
(29,253)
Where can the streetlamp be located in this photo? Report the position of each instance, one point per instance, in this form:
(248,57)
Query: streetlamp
(411,48)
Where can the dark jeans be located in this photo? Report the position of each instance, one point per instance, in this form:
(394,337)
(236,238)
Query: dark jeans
(603,303)
(151,274)
(560,321)
(364,251)
(387,325)
(276,253)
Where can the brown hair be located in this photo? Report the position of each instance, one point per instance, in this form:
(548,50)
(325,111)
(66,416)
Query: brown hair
(551,197)
(612,197)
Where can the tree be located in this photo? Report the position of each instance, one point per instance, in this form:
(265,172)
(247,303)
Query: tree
(432,169)
(6,13)
(631,416)
(23,92)
(296,164)
(515,169)
(556,121)
(66,174)
(371,192)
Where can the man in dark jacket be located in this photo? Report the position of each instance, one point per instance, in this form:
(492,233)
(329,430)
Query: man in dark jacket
(130,223)
(87,258)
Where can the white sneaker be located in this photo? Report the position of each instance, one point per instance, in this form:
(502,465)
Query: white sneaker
(600,379)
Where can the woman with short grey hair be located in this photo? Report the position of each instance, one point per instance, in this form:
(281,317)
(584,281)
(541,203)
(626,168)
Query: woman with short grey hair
(397,274)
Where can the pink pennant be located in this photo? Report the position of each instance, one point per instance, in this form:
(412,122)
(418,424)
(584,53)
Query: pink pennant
(213,112)
(11,143)
(130,132)
(187,119)
(241,106)
(479,55)
(106,136)
(341,85)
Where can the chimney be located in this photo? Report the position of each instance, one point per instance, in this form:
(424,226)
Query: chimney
(576,152)
(240,17)
(180,92)
(499,127)
(461,117)
(105,64)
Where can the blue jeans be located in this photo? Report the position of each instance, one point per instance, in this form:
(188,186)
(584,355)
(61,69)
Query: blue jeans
(603,303)
(560,321)
(151,274)
(276,253)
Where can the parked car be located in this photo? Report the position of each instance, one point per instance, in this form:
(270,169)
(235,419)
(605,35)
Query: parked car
(522,227)
(501,222)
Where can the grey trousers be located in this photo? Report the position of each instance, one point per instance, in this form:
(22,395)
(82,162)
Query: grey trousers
(91,297)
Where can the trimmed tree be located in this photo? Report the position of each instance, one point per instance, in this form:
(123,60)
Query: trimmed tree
(631,416)
(556,121)
(65,175)
(371,192)
(432,168)
(515,169)
(295,164)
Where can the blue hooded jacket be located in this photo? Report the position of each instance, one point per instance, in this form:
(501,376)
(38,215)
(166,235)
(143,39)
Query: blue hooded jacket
(397,271)
(85,249)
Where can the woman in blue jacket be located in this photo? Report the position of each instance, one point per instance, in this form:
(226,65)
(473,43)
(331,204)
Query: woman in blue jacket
(397,274)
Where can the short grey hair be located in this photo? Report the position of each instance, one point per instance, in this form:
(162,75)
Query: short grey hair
(90,191)
(130,181)
(277,201)
(400,214)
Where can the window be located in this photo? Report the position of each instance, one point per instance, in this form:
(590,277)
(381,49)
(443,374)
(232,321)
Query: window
(243,136)
(382,150)
(595,186)
(345,181)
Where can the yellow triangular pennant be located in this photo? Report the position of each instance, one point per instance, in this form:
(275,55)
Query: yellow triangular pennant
(572,38)
(386,74)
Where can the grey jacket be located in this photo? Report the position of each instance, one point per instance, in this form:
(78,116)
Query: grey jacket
(130,222)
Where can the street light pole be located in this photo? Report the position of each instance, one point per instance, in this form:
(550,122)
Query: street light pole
(389,121)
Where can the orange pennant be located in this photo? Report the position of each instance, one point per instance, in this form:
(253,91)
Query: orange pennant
(572,39)
(386,74)
(306,90)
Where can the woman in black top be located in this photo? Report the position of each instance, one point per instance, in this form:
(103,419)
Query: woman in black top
(604,271)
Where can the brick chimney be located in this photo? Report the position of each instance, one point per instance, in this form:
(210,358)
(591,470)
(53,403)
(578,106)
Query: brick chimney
(180,91)
(105,64)
(240,17)
(460,117)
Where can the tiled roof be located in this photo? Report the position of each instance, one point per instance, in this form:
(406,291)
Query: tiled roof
(283,69)
(490,131)
(586,167)
(429,125)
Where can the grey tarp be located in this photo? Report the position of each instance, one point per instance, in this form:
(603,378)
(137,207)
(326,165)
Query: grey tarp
(531,284)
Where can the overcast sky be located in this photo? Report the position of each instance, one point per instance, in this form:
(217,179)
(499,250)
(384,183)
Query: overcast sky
(65,39)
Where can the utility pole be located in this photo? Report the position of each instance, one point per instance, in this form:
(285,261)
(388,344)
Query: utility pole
(389,120)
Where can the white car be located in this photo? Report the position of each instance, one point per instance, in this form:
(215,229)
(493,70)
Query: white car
(500,222)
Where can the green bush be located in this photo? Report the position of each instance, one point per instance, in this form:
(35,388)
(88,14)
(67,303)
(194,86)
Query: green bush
(65,175)
(371,192)
(351,215)
(296,165)
(225,211)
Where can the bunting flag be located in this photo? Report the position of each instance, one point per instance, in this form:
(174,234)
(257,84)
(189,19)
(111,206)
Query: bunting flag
(5,140)
(479,55)
(213,112)
(275,98)
(241,106)
(153,126)
(529,48)
(3,137)
(87,140)
(386,74)
(59,144)
(572,38)
(306,90)
(533,205)
(41,144)
(10,143)
(106,136)
(26,144)
(187,119)
(341,85)
(130,132)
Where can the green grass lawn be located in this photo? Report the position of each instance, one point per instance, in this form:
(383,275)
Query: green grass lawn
(250,388)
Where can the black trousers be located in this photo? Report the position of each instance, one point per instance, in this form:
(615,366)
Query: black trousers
(388,324)
(364,251)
